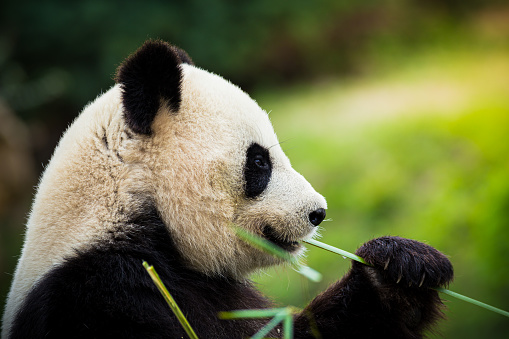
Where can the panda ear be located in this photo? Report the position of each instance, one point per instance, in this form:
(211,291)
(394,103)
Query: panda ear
(184,57)
(149,77)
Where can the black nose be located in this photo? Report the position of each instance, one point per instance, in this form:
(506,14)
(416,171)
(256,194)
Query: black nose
(316,217)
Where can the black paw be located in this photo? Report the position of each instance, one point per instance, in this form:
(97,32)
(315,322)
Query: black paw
(407,262)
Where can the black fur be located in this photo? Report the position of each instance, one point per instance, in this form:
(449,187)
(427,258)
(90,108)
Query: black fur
(105,292)
(184,57)
(148,77)
(257,170)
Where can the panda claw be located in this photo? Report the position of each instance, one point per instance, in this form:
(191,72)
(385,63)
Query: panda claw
(400,275)
(387,264)
(422,279)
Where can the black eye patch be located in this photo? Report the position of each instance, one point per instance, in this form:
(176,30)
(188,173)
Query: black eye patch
(257,170)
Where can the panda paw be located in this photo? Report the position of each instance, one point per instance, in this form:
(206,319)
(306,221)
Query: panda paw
(406,262)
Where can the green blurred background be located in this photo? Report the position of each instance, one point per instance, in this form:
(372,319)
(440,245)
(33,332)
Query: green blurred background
(396,111)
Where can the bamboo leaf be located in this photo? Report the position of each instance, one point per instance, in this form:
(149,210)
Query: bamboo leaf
(309,273)
(263,313)
(270,325)
(284,314)
(288,325)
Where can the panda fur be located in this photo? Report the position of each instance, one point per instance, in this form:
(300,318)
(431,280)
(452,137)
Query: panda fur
(158,168)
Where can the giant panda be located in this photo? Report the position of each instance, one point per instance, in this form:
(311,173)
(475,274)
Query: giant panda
(159,168)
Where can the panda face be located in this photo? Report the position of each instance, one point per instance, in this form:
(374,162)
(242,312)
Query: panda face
(281,206)
(216,163)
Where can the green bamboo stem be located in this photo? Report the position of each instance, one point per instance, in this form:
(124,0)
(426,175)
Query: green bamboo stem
(472,301)
(336,250)
(171,302)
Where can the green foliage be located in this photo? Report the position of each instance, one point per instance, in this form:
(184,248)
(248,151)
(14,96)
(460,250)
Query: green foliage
(440,178)
(392,157)
(253,43)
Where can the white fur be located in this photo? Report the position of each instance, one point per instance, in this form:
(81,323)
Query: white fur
(191,166)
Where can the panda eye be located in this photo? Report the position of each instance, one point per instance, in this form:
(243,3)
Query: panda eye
(260,162)
(257,170)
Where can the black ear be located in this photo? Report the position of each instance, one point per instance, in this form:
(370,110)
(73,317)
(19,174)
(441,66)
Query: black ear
(149,77)
(184,57)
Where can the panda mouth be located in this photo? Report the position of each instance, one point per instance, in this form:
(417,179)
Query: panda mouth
(271,235)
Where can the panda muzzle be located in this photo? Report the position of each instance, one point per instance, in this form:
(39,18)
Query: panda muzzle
(271,235)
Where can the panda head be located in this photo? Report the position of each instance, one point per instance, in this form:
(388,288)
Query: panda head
(207,156)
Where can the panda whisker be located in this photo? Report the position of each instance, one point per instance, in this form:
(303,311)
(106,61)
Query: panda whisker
(281,142)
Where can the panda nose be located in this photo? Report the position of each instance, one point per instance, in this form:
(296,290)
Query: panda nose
(316,217)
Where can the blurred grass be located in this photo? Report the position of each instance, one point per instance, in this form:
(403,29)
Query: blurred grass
(419,151)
